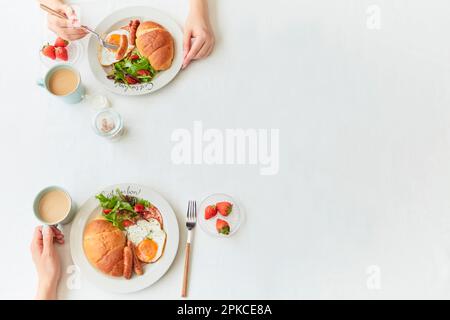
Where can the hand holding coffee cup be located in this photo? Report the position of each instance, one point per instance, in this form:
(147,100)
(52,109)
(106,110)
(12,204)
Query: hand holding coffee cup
(46,260)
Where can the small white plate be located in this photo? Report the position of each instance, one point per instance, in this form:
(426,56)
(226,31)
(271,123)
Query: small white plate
(121,18)
(152,272)
(234,219)
(74,53)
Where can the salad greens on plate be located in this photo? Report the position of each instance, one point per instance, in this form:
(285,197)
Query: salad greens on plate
(133,69)
(122,210)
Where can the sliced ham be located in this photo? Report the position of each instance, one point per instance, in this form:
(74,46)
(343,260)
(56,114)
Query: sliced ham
(153,213)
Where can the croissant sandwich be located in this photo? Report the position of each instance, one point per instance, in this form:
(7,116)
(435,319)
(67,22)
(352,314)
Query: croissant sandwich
(104,247)
(155,43)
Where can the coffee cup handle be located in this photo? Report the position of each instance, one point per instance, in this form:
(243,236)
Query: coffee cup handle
(40,82)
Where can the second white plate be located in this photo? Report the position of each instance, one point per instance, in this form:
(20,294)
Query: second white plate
(152,272)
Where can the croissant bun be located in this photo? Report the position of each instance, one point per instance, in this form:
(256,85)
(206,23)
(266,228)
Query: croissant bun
(156,44)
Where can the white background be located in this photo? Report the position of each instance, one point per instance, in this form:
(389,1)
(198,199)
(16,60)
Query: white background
(364,173)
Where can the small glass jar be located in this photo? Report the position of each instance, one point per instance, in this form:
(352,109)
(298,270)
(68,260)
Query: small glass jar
(107,123)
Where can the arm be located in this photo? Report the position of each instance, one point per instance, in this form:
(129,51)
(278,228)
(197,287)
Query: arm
(198,34)
(46,260)
(67,30)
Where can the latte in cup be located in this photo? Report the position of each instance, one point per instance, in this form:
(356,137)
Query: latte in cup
(63,81)
(53,206)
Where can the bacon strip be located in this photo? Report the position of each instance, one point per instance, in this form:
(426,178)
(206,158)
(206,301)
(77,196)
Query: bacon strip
(153,213)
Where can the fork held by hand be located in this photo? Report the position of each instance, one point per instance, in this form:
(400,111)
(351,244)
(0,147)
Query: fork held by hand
(190,224)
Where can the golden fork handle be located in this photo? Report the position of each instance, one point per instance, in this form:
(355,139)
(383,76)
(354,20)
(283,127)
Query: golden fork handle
(186,270)
(53,12)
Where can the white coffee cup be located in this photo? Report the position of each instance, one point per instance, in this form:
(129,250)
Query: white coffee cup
(53,205)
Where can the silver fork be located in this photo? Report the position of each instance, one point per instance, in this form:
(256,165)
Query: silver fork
(62,16)
(103,42)
(190,224)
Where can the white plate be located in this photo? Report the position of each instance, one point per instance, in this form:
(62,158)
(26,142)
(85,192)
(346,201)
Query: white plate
(121,18)
(74,51)
(152,272)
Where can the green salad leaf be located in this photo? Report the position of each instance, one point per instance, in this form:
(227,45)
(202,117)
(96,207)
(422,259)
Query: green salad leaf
(145,203)
(107,203)
(134,66)
(116,208)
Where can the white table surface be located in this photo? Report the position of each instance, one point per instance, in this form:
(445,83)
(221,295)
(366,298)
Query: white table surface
(364,176)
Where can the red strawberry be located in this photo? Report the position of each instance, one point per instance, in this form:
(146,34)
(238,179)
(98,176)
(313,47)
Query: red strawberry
(131,80)
(222,226)
(61,53)
(224,208)
(49,51)
(60,42)
(143,72)
(210,212)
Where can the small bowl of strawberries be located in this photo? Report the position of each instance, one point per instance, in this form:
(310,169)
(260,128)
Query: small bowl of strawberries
(219,215)
(57,51)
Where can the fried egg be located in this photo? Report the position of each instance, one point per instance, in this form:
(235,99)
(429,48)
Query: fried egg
(120,38)
(149,239)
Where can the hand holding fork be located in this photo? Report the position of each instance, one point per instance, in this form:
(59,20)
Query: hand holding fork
(82,29)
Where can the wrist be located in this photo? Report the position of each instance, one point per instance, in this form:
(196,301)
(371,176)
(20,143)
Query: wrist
(62,6)
(46,290)
(198,8)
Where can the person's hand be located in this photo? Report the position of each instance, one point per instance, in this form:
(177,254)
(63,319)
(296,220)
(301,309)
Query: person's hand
(46,260)
(198,39)
(68,30)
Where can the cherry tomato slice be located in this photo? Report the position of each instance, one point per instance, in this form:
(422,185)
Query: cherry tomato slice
(143,72)
(127,223)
